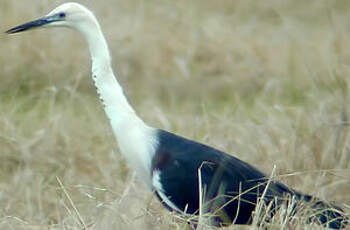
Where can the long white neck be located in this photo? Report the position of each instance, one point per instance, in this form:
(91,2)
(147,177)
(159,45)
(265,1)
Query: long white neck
(111,93)
(134,137)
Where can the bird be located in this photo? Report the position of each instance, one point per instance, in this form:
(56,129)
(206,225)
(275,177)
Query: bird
(188,177)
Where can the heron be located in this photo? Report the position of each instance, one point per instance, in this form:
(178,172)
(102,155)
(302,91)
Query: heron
(188,177)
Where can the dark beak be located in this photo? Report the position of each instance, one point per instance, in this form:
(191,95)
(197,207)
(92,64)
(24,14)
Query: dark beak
(33,24)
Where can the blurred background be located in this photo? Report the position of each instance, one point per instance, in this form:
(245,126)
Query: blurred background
(267,81)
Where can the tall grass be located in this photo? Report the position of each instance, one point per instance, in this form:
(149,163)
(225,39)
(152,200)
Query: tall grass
(267,81)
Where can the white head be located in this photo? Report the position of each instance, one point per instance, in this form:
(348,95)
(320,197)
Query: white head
(71,14)
(76,16)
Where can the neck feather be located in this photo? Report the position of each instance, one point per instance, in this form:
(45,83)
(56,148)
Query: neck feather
(136,140)
(111,94)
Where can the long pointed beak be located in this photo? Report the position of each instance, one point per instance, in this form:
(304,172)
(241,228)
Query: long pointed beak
(34,24)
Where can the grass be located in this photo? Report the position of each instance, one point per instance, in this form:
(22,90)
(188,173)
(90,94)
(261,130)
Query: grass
(267,81)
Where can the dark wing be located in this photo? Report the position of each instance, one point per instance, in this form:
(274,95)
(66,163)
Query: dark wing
(225,179)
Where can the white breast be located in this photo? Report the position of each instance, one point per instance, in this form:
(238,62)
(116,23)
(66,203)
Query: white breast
(137,143)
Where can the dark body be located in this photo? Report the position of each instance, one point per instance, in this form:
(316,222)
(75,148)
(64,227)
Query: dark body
(227,182)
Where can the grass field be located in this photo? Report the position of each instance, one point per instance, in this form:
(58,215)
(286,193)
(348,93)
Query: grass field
(267,81)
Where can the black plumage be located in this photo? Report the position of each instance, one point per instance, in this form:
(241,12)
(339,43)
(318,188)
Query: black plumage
(231,187)
(227,182)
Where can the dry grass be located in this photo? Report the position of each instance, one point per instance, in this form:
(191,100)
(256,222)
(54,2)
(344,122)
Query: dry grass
(265,80)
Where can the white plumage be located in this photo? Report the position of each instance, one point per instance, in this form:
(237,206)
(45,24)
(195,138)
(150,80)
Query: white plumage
(168,163)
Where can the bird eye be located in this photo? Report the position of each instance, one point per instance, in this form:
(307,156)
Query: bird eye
(61,15)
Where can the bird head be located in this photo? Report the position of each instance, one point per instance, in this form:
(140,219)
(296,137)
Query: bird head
(72,15)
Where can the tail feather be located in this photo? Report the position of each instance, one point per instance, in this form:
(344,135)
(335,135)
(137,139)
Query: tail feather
(325,213)
(328,215)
